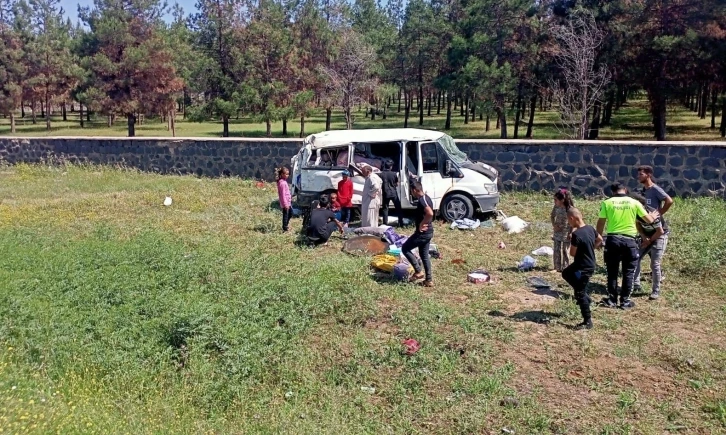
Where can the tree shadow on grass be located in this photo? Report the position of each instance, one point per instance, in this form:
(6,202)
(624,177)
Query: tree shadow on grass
(535,316)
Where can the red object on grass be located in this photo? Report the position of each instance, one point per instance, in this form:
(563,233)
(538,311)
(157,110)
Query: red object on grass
(412,346)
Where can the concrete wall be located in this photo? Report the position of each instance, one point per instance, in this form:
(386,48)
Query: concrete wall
(682,168)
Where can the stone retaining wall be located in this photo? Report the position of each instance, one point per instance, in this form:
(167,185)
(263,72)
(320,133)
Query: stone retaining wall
(682,168)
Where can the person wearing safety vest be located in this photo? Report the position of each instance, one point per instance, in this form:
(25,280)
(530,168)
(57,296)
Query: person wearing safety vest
(620,212)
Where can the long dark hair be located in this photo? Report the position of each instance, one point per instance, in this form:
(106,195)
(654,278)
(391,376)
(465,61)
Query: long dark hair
(564,196)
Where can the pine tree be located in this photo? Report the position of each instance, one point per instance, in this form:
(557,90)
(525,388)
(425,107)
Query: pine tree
(52,72)
(130,67)
(11,65)
(219,67)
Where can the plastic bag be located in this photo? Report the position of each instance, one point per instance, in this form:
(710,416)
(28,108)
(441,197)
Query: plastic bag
(544,250)
(465,224)
(528,263)
(514,225)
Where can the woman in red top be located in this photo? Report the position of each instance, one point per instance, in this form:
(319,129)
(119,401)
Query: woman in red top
(345,196)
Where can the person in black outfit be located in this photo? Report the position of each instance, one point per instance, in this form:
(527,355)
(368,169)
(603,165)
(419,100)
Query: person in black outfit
(390,192)
(322,223)
(584,240)
(421,238)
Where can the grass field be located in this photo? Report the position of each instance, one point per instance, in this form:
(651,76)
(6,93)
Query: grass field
(631,122)
(119,315)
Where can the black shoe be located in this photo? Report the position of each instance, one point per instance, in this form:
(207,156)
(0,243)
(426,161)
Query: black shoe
(637,288)
(627,304)
(583,325)
(609,303)
(654,296)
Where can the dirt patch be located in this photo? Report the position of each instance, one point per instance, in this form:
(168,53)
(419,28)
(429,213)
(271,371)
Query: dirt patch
(527,297)
(382,321)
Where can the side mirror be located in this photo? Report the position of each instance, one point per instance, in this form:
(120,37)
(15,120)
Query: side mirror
(449,167)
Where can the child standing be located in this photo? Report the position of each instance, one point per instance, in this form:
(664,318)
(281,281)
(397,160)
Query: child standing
(335,205)
(584,242)
(283,193)
(345,197)
(561,228)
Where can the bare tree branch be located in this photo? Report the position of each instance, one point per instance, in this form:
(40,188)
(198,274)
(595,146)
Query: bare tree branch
(350,74)
(581,82)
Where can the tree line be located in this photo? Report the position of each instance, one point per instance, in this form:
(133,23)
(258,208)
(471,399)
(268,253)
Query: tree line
(280,59)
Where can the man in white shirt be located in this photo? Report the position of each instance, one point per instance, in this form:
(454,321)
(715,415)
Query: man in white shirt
(371,198)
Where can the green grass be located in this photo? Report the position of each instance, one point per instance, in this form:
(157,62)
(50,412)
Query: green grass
(119,315)
(631,122)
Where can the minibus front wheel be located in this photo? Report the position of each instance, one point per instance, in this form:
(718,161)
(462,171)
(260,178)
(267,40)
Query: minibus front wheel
(457,206)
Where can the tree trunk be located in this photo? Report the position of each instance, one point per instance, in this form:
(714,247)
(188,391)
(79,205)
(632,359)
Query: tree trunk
(498,121)
(694,99)
(42,110)
(619,100)
(541,103)
(461,108)
(302,126)
(73,108)
(438,103)
(88,114)
(47,109)
(131,121)
(486,126)
(172,122)
(80,112)
(465,107)
(607,115)
(530,123)
(63,111)
(406,110)
(658,109)
(22,109)
(428,113)
(420,96)
(225,126)
(12,122)
(517,116)
(699,100)
(268,125)
(284,127)
(447,125)
(714,96)
(385,112)
(109,121)
(502,115)
(723,116)
(473,112)
(595,126)
(704,102)
(399,101)
(184,103)
(329,114)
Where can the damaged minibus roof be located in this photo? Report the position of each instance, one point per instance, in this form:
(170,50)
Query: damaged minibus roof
(342,137)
